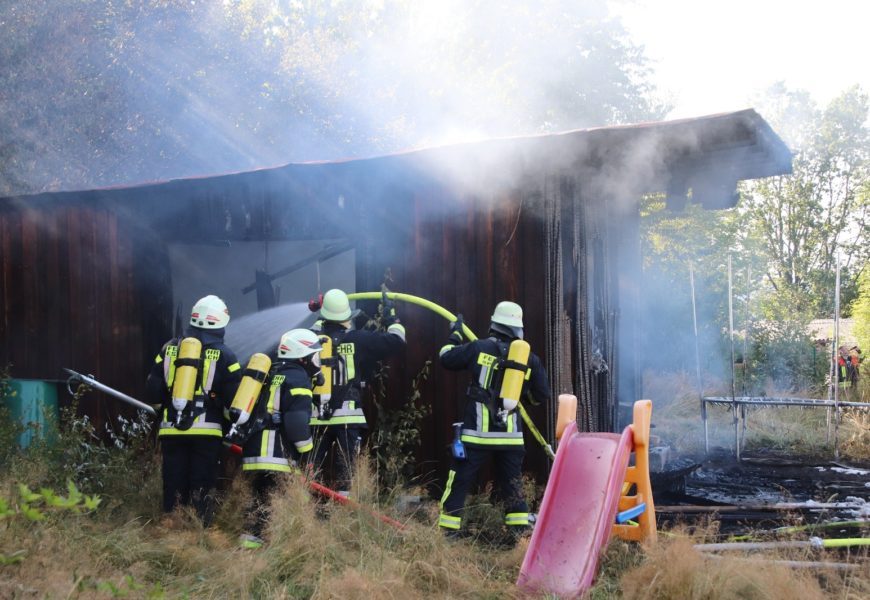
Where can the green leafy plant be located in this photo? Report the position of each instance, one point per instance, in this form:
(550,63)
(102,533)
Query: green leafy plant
(397,436)
(10,429)
(48,500)
(35,507)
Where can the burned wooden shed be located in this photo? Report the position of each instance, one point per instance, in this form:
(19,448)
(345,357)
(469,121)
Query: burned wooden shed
(549,221)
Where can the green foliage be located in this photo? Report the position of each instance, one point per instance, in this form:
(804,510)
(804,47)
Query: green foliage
(701,241)
(861,310)
(120,91)
(808,219)
(783,238)
(36,507)
(397,435)
(30,502)
(783,354)
(10,430)
(81,458)
(101,462)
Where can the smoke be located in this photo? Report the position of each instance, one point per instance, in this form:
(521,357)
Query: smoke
(164,90)
(261,332)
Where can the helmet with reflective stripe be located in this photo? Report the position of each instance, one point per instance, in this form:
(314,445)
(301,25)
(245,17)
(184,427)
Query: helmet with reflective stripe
(507,318)
(210,312)
(336,306)
(299,343)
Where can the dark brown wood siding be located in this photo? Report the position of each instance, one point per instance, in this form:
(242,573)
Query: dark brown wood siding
(70,297)
(548,221)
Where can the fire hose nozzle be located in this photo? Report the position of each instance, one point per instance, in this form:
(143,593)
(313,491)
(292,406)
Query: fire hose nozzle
(315,303)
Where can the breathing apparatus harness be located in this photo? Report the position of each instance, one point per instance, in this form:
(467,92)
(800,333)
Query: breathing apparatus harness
(189,393)
(334,389)
(244,409)
(439,310)
(493,396)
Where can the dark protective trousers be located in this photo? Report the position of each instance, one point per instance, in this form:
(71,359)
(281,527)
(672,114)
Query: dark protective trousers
(263,483)
(190,471)
(346,439)
(508,463)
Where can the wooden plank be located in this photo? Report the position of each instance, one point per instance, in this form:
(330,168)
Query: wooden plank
(16,303)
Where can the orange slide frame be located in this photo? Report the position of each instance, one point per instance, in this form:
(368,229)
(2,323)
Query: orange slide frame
(590,482)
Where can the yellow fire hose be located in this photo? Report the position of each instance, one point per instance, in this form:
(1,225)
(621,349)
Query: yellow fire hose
(470,334)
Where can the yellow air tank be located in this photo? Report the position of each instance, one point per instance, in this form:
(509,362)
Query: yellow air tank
(249,389)
(186,371)
(512,384)
(325,389)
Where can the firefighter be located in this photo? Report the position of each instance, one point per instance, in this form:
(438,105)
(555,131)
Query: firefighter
(192,382)
(854,371)
(279,424)
(844,381)
(491,425)
(337,415)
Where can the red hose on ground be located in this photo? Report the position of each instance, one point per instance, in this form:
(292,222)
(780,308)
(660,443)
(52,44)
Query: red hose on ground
(333,495)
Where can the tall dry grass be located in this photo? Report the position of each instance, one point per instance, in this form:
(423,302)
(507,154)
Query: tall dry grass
(673,569)
(316,550)
(313,551)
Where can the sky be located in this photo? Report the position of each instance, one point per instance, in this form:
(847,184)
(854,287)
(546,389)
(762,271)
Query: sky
(713,57)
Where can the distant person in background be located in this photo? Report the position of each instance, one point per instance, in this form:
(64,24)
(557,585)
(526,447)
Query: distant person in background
(854,371)
(843,381)
(191,430)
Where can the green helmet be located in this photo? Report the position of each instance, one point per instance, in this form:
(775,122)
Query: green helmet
(336,306)
(507,318)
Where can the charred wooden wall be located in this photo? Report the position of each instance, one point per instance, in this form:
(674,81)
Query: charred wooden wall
(91,271)
(78,290)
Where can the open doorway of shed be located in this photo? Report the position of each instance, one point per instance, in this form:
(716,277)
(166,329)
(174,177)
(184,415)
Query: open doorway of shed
(290,272)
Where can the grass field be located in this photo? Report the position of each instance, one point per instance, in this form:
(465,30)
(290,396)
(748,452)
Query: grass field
(53,546)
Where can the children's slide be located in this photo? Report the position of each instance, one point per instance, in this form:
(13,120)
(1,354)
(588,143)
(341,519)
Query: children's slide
(577,512)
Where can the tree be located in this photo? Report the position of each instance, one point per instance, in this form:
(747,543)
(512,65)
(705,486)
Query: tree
(117,92)
(861,311)
(673,242)
(818,214)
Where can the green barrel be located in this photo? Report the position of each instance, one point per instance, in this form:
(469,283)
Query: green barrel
(33,404)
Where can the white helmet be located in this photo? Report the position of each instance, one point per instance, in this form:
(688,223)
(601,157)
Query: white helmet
(210,312)
(299,343)
(336,306)
(508,318)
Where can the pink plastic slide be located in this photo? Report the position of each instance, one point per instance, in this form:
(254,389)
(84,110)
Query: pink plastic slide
(577,513)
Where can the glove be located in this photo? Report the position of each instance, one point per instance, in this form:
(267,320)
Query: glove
(324,412)
(456,330)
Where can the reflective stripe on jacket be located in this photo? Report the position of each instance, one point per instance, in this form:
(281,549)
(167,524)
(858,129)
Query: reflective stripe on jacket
(264,450)
(481,425)
(358,351)
(216,382)
(289,395)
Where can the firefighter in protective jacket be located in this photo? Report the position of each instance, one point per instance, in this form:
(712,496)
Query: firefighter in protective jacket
(491,425)
(337,414)
(191,383)
(279,428)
